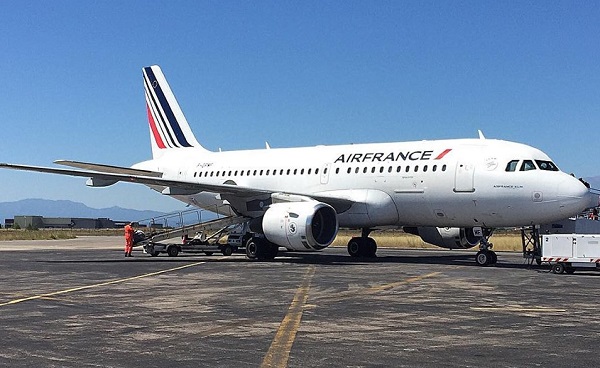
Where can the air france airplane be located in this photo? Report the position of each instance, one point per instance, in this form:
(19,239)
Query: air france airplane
(452,193)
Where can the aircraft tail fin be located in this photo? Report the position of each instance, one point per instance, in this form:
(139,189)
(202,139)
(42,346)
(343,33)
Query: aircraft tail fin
(169,129)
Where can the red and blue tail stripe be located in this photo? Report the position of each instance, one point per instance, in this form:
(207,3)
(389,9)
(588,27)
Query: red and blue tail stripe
(165,123)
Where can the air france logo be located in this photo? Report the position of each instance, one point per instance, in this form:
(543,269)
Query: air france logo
(292,228)
(390,156)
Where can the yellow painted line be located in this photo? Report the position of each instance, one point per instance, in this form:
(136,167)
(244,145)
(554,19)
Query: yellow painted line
(112,282)
(519,309)
(279,351)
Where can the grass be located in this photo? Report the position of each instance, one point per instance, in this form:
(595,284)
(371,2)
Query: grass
(54,234)
(503,241)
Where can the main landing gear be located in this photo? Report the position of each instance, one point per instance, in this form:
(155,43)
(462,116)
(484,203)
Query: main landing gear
(261,249)
(363,246)
(486,256)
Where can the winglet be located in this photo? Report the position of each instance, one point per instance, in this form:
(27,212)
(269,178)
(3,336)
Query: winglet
(481,136)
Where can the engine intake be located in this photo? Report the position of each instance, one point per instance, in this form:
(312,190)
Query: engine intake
(300,225)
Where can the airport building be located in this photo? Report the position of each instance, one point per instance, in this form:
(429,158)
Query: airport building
(40,222)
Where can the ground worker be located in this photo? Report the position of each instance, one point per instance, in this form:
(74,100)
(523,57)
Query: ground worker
(129,239)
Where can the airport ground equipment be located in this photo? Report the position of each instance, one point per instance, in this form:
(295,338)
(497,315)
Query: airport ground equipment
(568,252)
(531,236)
(187,231)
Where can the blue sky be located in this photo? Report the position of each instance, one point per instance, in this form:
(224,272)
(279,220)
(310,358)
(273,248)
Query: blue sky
(293,73)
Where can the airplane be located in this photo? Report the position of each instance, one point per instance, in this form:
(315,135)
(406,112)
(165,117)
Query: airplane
(452,193)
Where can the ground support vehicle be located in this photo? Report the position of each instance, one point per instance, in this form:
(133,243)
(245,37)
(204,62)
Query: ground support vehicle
(569,252)
(202,236)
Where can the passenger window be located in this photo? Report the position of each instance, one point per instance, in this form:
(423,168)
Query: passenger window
(444,168)
(365,170)
(349,170)
(373,170)
(407,169)
(512,165)
(434,168)
(527,165)
(399,168)
(390,169)
(425,168)
(357,170)
(337,170)
(317,172)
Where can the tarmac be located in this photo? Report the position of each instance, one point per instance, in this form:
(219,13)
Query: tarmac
(80,303)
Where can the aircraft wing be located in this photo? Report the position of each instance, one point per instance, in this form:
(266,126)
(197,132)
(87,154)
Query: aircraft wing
(108,168)
(171,186)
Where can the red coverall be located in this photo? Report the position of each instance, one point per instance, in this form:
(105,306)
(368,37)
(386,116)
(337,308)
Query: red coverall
(128,240)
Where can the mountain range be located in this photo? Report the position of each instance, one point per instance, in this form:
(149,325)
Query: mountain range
(65,208)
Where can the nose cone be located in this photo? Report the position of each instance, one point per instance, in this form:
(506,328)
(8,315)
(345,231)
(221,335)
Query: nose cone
(574,197)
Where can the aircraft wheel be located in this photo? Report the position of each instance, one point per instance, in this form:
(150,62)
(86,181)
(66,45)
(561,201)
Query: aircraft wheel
(483,258)
(355,247)
(271,250)
(493,256)
(255,248)
(558,268)
(371,247)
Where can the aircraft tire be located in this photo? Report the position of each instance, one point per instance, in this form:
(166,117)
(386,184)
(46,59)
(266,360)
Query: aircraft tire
(256,248)
(271,250)
(494,257)
(370,247)
(355,247)
(483,258)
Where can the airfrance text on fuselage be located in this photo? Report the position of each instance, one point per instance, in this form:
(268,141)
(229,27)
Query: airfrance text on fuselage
(389,157)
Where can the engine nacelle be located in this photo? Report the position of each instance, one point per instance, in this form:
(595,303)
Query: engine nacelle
(448,237)
(300,225)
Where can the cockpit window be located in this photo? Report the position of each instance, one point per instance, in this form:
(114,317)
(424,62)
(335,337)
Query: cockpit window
(512,165)
(546,165)
(527,165)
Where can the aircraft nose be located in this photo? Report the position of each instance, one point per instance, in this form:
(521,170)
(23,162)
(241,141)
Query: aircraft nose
(574,197)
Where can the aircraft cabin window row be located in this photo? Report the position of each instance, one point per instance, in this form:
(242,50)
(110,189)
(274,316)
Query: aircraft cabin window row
(527,165)
(282,172)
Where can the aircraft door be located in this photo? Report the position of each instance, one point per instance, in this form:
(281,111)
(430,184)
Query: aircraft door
(325,173)
(464,177)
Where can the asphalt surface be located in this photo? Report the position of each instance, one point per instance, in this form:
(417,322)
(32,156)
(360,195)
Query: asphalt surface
(85,305)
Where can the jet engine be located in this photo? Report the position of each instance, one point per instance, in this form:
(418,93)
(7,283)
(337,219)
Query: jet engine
(307,225)
(449,237)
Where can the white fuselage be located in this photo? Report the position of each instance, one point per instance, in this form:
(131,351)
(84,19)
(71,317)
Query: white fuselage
(443,183)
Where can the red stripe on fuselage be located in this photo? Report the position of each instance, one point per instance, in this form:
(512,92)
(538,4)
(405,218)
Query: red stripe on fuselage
(155,134)
(441,155)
